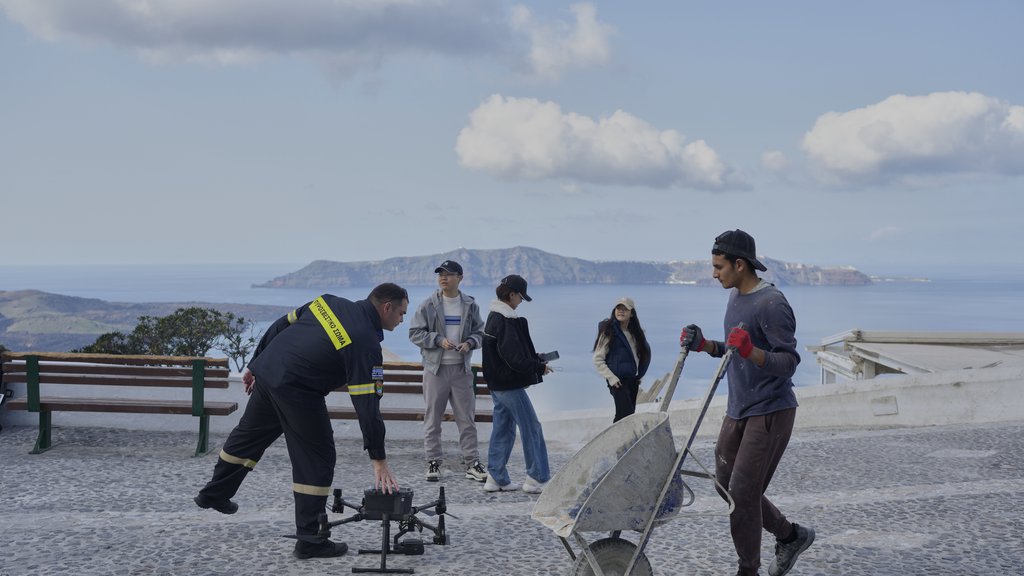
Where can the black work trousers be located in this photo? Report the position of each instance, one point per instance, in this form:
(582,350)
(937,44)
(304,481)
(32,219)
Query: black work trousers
(746,456)
(625,397)
(301,415)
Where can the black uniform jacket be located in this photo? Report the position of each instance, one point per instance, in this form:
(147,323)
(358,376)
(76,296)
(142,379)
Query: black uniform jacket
(328,343)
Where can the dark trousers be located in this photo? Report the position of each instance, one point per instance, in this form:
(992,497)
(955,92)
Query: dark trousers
(625,397)
(302,417)
(746,455)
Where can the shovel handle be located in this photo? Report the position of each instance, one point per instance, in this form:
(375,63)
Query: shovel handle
(671,388)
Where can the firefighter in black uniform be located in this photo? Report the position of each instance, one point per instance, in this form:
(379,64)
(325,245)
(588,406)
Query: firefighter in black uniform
(317,348)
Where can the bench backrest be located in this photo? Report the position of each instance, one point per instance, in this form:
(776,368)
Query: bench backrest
(37,368)
(169,371)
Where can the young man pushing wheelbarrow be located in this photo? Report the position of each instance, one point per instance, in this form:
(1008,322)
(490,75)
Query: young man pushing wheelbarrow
(761,406)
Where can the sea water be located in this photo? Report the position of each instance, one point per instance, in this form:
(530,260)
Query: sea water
(565,318)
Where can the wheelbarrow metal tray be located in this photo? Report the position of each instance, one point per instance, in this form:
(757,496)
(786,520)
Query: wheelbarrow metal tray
(613,482)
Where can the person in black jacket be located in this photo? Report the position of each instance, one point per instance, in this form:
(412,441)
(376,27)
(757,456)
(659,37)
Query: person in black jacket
(325,344)
(622,355)
(510,365)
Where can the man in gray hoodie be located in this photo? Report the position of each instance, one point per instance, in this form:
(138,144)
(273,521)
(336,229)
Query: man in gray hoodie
(447,328)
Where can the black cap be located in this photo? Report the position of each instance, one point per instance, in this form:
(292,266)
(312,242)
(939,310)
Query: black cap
(449,266)
(518,284)
(740,244)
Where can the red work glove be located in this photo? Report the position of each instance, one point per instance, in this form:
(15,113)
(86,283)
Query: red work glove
(740,340)
(692,338)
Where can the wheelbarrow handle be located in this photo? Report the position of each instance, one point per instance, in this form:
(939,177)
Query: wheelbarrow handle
(670,390)
(741,326)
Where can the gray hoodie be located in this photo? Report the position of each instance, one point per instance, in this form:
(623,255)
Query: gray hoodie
(427,329)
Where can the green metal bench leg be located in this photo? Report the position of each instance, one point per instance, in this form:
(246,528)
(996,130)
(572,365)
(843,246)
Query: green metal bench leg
(44,440)
(204,435)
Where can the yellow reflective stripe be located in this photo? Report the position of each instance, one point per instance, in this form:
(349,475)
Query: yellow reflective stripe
(250,464)
(359,389)
(293,316)
(335,331)
(311,490)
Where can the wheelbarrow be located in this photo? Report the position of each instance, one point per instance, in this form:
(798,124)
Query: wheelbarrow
(629,477)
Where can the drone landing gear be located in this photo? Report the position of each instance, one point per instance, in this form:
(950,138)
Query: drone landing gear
(399,548)
(394,507)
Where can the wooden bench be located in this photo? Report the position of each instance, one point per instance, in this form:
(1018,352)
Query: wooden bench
(407,378)
(38,369)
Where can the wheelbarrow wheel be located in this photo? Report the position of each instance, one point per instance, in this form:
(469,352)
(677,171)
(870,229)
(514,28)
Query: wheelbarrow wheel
(613,555)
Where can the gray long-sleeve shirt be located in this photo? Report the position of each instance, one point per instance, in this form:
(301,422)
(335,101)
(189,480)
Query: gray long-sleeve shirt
(767,316)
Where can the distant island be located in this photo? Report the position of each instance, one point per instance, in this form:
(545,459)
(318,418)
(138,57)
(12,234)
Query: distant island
(46,322)
(487,267)
(42,321)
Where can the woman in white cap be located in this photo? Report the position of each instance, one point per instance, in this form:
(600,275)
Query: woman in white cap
(622,355)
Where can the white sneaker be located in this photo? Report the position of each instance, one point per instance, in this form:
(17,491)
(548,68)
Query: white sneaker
(531,486)
(433,471)
(491,486)
(476,472)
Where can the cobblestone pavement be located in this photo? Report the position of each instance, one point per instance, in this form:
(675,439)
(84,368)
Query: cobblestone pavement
(924,501)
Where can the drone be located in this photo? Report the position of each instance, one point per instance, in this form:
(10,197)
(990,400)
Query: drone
(394,507)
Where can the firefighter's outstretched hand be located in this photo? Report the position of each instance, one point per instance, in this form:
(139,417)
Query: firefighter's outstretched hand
(383,479)
(248,380)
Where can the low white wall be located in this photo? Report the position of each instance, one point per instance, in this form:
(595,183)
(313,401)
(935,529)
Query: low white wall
(955,397)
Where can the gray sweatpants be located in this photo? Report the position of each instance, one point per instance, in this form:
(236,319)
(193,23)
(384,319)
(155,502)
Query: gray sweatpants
(452,383)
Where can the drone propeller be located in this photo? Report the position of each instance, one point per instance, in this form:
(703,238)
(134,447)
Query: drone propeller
(430,512)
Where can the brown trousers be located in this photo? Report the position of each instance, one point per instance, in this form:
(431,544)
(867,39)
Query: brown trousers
(747,453)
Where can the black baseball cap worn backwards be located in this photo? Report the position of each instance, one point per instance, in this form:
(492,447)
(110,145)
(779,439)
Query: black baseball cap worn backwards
(518,284)
(449,266)
(740,244)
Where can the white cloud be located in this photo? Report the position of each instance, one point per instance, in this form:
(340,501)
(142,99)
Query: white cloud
(774,161)
(342,35)
(524,138)
(558,46)
(884,233)
(907,137)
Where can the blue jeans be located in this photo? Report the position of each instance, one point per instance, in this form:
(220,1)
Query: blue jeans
(513,408)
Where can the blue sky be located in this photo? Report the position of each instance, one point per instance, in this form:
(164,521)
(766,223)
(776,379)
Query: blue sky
(882,135)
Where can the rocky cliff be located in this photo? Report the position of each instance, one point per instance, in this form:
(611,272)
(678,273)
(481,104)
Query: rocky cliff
(487,267)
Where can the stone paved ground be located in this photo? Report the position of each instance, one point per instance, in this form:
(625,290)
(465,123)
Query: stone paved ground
(901,502)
